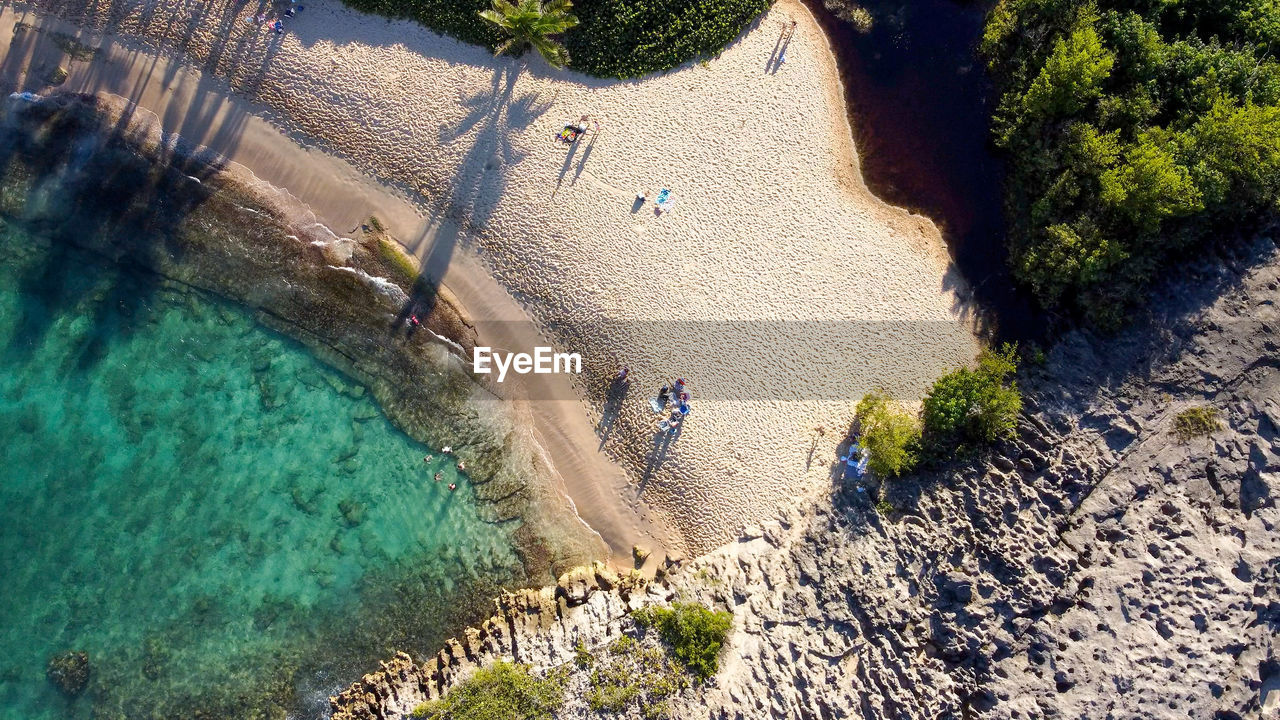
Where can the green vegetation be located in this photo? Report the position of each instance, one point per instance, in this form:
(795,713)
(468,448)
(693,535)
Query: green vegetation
(890,433)
(582,657)
(884,507)
(853,13)
(976,406)
(532,23)
(616,38)
(695,633)
(1200,421)
(628,38)
(635,675)
(1137,133)
(502,691)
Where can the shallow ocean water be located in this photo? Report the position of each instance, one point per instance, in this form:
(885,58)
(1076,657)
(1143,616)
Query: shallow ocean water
(226,525)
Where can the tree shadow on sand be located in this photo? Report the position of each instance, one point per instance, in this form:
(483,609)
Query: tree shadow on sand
(86,187)
(470,197)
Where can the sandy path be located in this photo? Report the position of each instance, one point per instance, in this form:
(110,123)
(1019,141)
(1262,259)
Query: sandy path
(779,286)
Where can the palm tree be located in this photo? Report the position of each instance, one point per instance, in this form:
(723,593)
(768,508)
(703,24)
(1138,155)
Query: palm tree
(533,22)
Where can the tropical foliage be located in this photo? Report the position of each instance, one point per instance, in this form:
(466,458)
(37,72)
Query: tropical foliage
(973,407)
(627,38)
(616,38)
(502,691)
(890,433)
(694,633)
(1136,132)
(532,23)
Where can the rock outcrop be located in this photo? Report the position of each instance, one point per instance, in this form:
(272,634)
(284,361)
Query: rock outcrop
(542,628)
(1096,566)
(69,672)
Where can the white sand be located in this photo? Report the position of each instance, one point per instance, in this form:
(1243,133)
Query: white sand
(772,224)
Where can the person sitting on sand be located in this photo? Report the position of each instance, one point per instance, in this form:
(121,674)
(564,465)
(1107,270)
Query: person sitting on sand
(664,395)
(622,374)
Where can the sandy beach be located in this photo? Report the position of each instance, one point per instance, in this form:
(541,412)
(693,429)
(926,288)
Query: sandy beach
(777,285)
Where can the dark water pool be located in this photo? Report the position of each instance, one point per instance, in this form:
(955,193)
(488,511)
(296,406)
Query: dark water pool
(920,102)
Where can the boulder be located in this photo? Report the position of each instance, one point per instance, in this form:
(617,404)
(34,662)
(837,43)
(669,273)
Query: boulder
(577,585)
(69,672)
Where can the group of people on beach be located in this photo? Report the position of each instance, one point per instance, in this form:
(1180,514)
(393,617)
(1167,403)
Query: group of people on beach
(276,26)
(676,396)
(673,395)
(447,450)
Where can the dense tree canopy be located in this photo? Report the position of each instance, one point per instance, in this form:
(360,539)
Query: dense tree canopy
(1136,130)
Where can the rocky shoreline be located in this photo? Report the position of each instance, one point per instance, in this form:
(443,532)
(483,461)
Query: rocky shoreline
(194,219)
(1099,565)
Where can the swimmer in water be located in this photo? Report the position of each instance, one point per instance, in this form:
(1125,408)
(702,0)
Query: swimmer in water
(446,449)
(437,477)
(453,486)
(462,466)
(426,459)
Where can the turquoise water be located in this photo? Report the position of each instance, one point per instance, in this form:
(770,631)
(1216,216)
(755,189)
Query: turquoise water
(228,527)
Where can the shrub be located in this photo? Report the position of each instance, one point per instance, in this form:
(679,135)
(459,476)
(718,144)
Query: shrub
(628,38)
(1134,134)
(1200,421)
(890,433)
(502,691)
(633,675)
(694,632)
(616,38)
(974,406)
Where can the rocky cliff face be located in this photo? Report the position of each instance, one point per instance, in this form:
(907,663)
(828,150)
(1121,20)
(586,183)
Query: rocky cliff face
(1096,566)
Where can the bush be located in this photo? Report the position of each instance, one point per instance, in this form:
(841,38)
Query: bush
(1195,422)
(695,633)
(633,675)
(890,433)
(974,406)
(502,691)
(615,38)
(1135,132)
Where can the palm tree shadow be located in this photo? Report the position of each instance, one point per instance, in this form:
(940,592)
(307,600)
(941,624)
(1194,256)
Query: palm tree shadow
(92,192)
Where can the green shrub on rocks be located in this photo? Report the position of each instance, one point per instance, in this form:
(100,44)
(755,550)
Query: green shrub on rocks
(890,433)
(1200,421)
(632,675)
(694,632)
(978,406)
(502,691)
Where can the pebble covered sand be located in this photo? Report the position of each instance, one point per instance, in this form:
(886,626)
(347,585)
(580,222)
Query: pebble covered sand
(777,285)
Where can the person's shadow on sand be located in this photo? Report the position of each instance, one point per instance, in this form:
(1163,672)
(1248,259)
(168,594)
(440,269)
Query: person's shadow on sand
(613,400)
(662,441)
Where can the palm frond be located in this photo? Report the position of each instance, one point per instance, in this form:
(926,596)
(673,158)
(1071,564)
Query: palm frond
(506,45)
(530,22)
